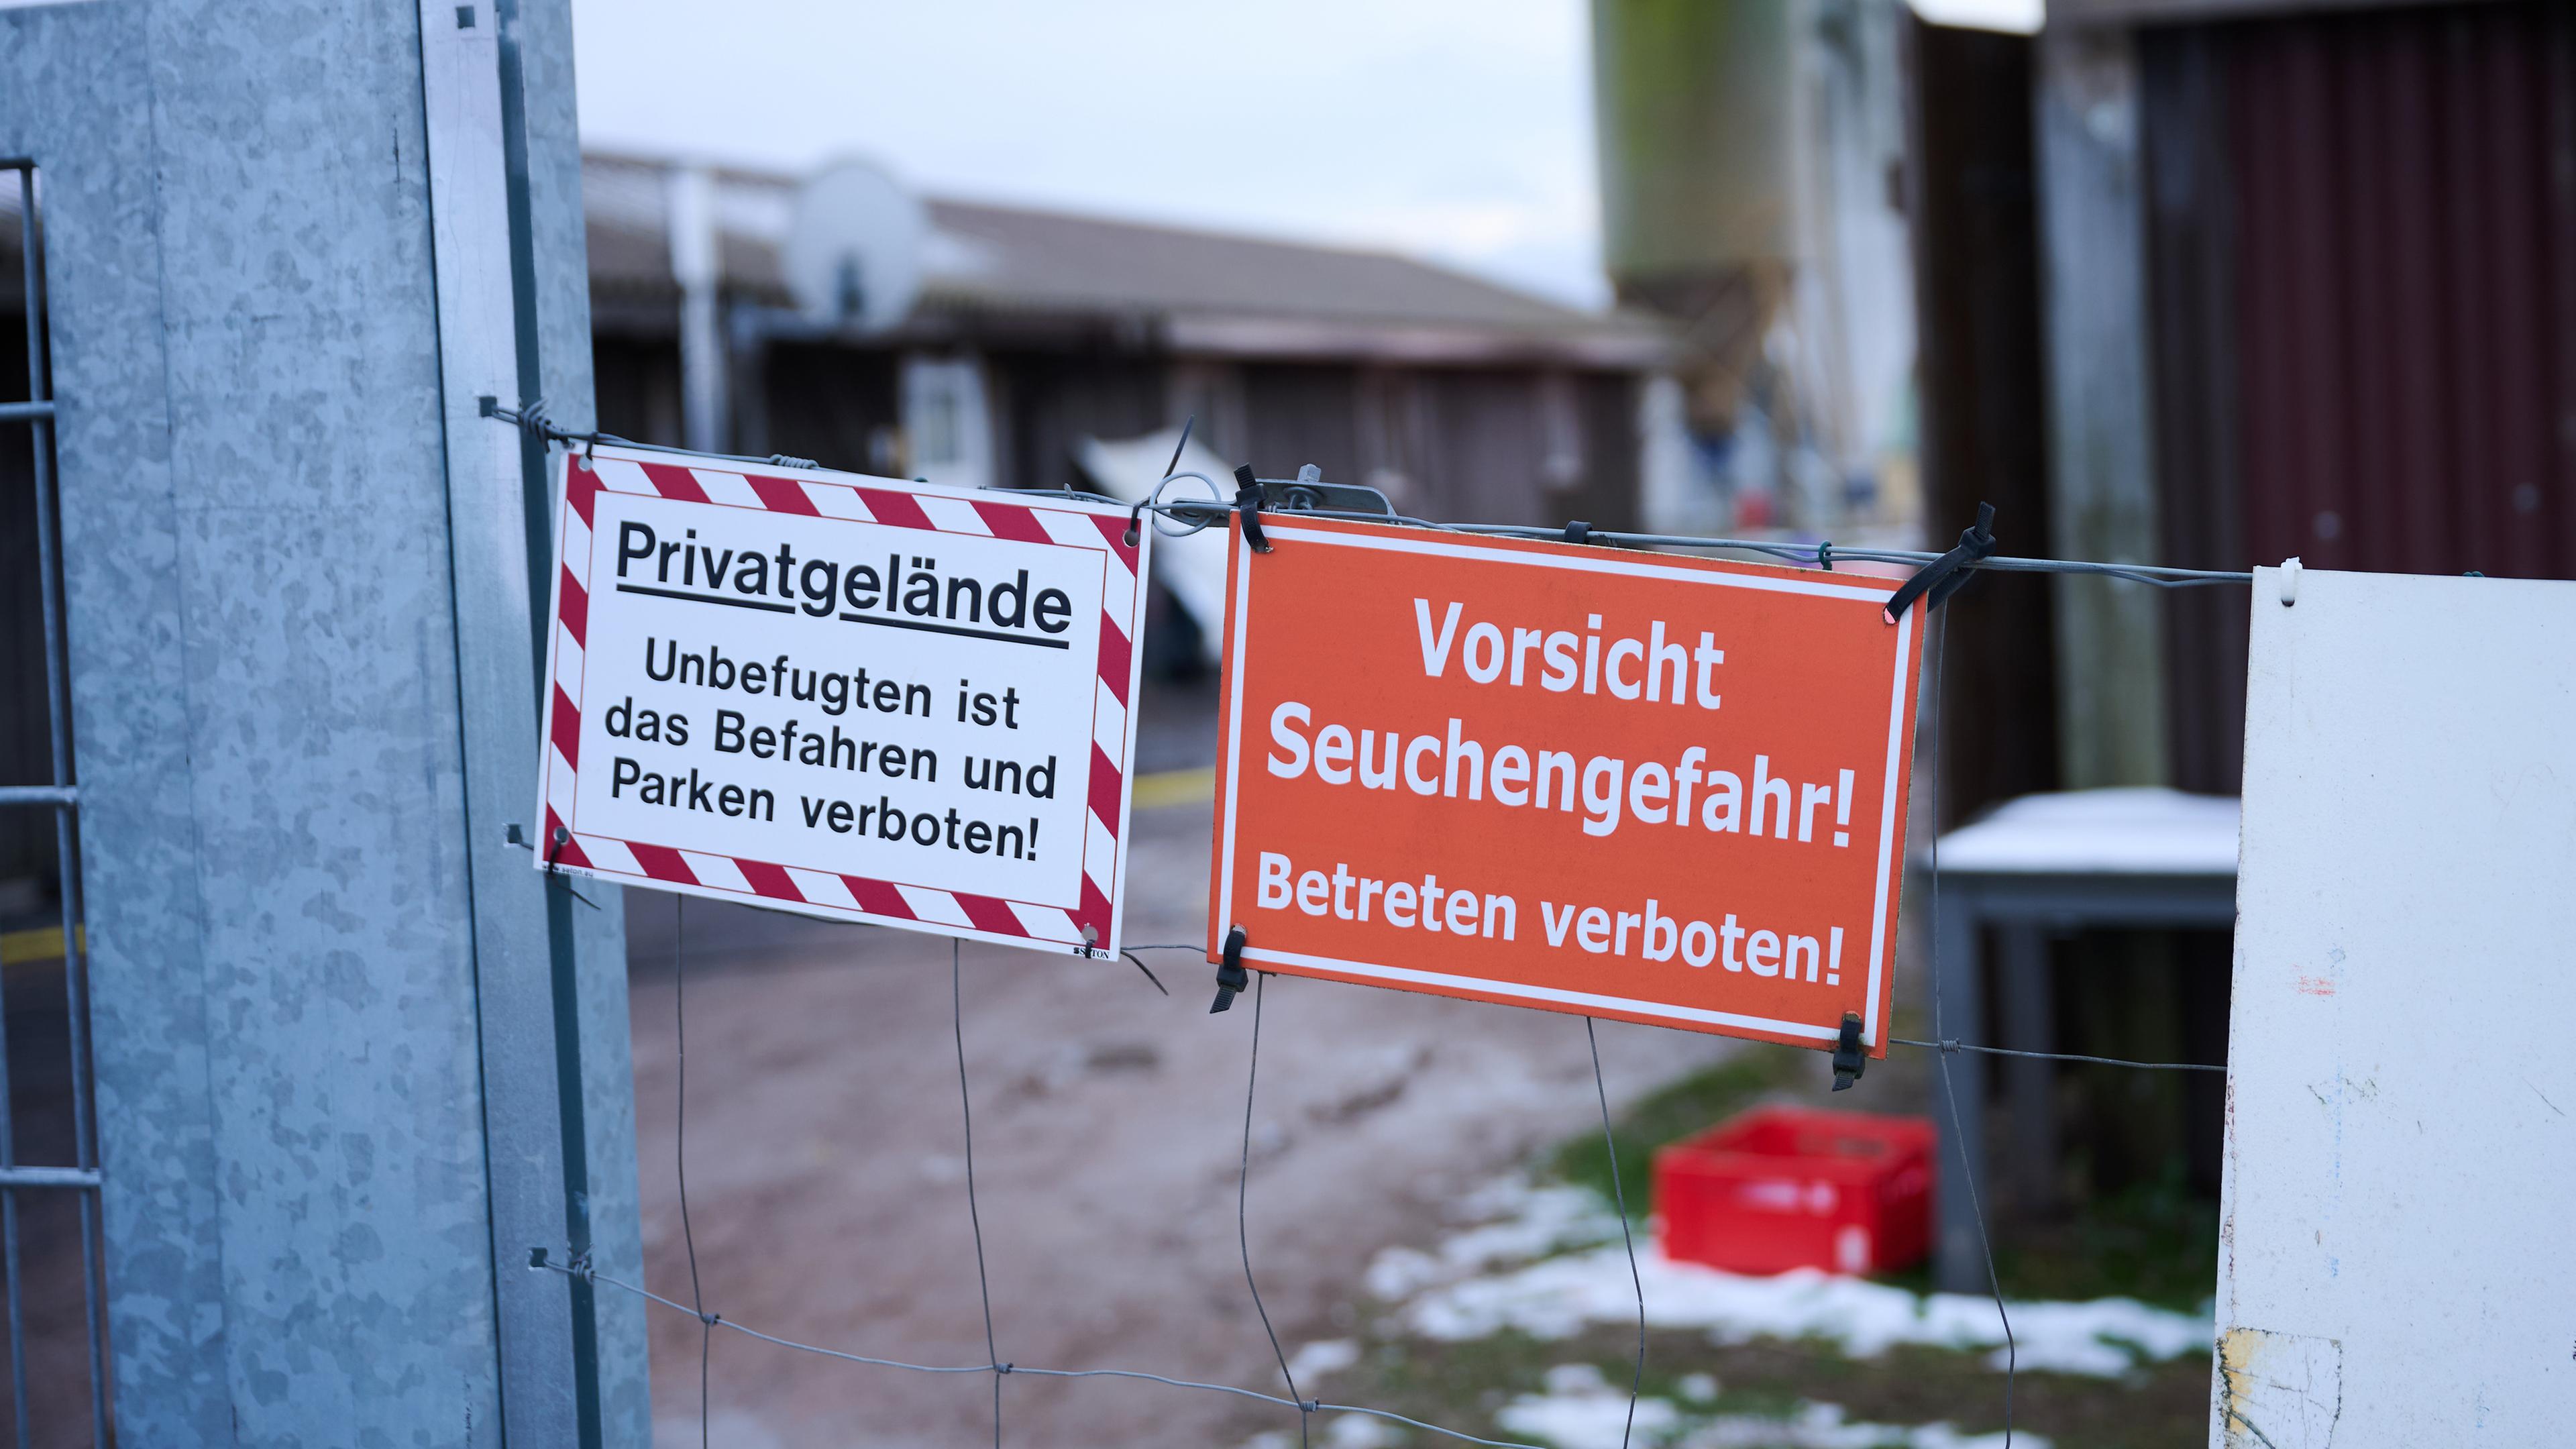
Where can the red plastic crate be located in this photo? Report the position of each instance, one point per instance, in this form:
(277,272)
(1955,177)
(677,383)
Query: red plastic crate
(1787,1187)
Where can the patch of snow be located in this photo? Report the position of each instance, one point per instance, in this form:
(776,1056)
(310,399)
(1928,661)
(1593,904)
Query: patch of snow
(1362,1431)
(1556,1297)
(1580,1410)
(2128,831)
(1400,1272)
(1822,1426)
(1575,1378)
(1323,1356)
(1698,1388)
(1514,1222)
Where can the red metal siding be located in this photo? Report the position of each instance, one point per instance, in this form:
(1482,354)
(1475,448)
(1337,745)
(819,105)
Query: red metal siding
(2405,198)
(2364,248)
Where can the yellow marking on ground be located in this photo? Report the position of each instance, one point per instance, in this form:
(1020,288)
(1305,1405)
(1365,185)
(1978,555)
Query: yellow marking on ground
(1175,787)
(44,943)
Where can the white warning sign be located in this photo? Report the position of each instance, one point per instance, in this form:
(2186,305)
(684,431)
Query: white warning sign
(846,696)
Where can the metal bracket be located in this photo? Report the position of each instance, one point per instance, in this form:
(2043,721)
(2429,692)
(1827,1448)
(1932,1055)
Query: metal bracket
(1309,493)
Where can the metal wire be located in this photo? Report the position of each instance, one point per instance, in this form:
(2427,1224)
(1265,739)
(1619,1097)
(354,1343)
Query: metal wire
(974,1217)
(590,1274)
(1610,1145)
(1130,953)
(680,1145)
(1952,1045)
(1242,1197)
(1199,515)
(1949,1094)
(1193,516)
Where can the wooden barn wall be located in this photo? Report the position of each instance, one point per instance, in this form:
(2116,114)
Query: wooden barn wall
(2363,247)
(836,405)
(637,384)
(1299,414)
(1046,403)
(1972,210)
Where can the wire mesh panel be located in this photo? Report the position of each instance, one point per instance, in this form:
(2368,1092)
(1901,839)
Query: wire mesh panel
(49,1209)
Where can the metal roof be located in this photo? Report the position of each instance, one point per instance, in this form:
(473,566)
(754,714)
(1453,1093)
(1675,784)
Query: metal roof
(1016,274)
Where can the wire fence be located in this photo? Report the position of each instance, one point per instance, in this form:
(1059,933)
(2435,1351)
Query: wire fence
(1188,516)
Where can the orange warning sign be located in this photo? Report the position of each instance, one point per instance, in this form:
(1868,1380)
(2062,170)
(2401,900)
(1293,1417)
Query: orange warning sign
(1632,785)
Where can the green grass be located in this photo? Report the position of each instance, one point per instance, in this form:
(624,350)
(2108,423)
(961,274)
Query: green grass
(2155,1242)
(1465,1385)
(1672,1112)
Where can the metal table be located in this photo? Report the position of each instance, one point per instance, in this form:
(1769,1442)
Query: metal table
(2043,863)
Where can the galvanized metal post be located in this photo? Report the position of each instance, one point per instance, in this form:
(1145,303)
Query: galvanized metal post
(529,965)
(353,1062)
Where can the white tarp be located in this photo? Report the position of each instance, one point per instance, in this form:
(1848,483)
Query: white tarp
(1192,568)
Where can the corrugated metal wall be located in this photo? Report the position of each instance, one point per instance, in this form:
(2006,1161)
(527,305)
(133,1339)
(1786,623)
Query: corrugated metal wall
(2362,231)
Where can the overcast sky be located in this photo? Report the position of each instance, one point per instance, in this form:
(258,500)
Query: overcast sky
(1459,130)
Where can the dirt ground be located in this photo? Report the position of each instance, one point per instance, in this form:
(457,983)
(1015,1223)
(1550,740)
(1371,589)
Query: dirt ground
(827,1175)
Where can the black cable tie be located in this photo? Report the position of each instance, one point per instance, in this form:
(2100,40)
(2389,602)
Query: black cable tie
(1849,1060)
(1247,503)
(1825,555)
(1936,581)
(1578,532)
(1136,521)
(1230,975)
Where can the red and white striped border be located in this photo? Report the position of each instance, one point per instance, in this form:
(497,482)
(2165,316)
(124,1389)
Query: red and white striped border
(1091,927)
